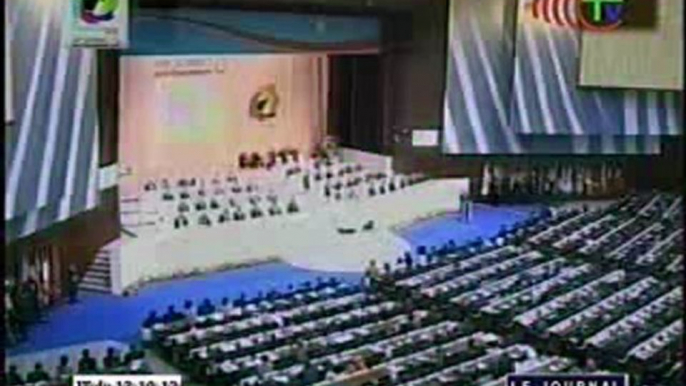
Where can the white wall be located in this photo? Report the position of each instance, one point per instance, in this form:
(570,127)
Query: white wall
(370,161)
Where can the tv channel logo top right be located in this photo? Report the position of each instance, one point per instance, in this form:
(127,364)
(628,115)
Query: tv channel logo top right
(589,15)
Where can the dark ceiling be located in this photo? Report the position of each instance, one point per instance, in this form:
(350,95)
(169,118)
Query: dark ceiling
(337,6)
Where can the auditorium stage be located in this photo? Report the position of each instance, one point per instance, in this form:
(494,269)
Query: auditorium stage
(325,237)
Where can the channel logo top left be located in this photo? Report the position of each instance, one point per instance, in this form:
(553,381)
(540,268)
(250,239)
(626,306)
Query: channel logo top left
(98,11)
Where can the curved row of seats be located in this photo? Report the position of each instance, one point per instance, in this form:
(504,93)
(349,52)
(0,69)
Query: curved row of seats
(415,328)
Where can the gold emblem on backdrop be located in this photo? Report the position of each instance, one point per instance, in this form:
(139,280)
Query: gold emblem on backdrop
(264,104)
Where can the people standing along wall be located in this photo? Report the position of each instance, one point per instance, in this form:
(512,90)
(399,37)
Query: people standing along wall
(73,284)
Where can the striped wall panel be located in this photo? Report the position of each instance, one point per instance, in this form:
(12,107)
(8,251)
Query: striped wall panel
(547,99)
(479,92)
(52,148)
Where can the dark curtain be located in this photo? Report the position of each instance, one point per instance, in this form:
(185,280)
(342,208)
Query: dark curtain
(355,106)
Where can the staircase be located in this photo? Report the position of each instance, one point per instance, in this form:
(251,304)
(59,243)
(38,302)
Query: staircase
(135,215)
(98,278)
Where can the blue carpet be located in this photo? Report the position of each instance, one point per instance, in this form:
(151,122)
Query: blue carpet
(106,317)
(486,222)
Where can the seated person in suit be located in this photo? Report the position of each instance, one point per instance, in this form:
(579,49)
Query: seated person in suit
(188,308)
(151,320)
(391,186)
(184,221)
(205,220)
(149,186)
(371,191)
(135,353)
(166,196)
(111,359)
(200,205)
(183,207)
(271,159)
(63,371)
(193,182)
(327,191)
(184,195)
(214,204)
(256,161)
(206,308)
(243,161)
(13,378)
(408,261)
(172,315)
(382,189)
(201,192)
(237,189)
(293,206)
(87,364)
(255,212)
(238,215)
(225,216)
(241,301)
(38,374)
(183,183)
(274,210)
(232,203)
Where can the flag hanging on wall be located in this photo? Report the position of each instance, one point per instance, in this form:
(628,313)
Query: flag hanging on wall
(97,24)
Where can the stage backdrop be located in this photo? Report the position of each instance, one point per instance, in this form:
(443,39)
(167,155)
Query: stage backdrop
(194,115)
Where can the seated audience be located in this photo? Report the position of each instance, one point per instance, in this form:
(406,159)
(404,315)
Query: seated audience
(206,308)
(13,378)
(205,220)
(87,364)
(274,210)
(172,315)
(225,216)
(38,374)
(151,320)
(64,370)
(238,215)
(255,212)
(111,360)
(293,207)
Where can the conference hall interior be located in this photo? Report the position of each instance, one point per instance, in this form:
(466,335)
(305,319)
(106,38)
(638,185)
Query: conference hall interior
(343,192)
